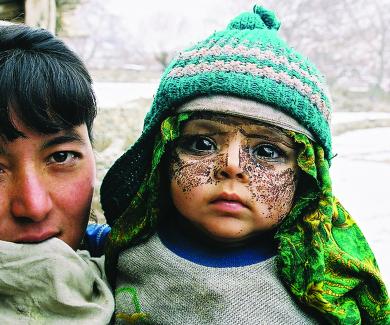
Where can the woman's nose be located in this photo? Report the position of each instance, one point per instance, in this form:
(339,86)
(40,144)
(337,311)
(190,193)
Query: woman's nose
(231,165)
(31,199)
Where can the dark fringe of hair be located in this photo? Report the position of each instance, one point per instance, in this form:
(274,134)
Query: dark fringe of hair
(42,83)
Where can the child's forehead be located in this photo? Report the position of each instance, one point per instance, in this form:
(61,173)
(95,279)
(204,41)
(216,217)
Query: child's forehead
(206,122)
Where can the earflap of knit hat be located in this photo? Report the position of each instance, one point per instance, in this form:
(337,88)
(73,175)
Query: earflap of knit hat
(261,18)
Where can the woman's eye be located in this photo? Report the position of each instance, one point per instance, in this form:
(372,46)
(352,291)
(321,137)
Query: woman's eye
(267,151)
(61,157)
(199,144)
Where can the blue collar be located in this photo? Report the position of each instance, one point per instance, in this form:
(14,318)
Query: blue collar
(192,246)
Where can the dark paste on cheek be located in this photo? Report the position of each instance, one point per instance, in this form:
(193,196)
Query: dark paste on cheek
(200,171)
(274,188)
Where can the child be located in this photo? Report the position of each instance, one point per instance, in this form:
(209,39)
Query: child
(47,174)
(223,211)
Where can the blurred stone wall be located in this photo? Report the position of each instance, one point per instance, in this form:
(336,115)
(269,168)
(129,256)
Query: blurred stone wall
(12,10)
(41,13)
(37,13)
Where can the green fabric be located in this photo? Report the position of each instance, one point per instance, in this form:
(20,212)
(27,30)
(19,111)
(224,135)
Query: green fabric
(140,218)
(323,258)
(139,317)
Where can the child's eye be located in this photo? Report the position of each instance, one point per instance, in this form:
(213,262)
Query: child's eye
(62,157)
(199,144)
(267,151)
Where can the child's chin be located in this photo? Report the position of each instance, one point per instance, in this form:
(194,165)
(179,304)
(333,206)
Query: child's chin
(229,239)
(234,239)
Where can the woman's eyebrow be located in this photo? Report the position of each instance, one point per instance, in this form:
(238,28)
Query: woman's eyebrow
(67,136)
(3,150)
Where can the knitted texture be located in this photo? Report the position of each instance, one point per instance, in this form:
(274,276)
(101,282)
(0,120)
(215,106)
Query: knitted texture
(249,60)
(168,289)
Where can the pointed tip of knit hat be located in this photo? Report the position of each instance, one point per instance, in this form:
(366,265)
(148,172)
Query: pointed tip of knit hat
(261,18)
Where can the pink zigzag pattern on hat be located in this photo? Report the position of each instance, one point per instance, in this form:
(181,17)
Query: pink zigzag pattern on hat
(268,72)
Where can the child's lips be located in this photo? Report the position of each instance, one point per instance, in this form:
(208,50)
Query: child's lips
(228,202)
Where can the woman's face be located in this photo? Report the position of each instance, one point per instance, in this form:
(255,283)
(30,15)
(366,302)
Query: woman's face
(233,178)
(46,185)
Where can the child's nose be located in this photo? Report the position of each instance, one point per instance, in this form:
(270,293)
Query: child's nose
(231,167)
(31,199)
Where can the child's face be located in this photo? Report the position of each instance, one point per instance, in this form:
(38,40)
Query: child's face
(46,185)
(231,177)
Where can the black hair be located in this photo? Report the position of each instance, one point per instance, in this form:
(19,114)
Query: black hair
(42,83)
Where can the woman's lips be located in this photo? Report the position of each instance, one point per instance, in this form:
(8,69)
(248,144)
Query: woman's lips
(36,237)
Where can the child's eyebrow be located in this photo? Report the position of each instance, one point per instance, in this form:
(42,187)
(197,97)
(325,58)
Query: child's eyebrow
(212,128)
(206,128)
(204,133)
(274,137)
(68,137)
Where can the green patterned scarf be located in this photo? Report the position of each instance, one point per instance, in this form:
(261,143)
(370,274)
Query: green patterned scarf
(323,258)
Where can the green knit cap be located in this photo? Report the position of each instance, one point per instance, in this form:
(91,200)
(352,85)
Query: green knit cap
(248,60)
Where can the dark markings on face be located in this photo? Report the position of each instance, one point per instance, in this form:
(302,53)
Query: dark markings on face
(272,186)
(266,184)
(195,173)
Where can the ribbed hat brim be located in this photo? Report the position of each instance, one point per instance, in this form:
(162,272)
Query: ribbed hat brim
(245,108)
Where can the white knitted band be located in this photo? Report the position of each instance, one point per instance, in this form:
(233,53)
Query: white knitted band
(252,69)
(257,53)
(245,108)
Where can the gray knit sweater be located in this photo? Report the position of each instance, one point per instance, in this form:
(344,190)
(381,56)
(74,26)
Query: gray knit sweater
(173,290)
